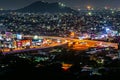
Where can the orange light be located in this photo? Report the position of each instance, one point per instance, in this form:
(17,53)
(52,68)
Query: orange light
(72,34)
(66,66)
(88,7)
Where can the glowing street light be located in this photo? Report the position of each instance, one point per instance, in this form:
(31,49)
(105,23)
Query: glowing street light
(88,7)
(112,12)
(107,29)
(89,13)
(35,37)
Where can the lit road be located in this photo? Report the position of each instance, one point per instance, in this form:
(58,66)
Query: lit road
(85,44)
(58,41)
(74,44)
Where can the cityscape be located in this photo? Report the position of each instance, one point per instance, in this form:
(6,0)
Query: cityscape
(50,40)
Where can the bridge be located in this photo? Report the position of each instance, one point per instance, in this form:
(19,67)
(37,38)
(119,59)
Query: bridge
(74,44)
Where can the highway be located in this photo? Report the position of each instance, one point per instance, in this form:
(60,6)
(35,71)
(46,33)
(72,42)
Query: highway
(43,45)
(85,44)
(74,44)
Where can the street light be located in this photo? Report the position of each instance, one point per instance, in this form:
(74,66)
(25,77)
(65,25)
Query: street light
(35,37)
(88,7)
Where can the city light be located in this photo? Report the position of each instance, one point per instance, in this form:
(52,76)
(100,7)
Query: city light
(107,29)
(88,7)
(89,13)
(53,41)
(35,37)
(19,36)
(61,4)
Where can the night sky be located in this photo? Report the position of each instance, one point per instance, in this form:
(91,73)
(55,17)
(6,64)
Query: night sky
(15,4)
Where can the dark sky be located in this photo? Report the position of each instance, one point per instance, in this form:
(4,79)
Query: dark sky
(14,4)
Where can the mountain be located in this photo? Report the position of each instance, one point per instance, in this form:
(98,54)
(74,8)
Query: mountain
(45,7)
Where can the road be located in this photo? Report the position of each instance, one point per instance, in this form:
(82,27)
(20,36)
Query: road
(85,44)
(74,44)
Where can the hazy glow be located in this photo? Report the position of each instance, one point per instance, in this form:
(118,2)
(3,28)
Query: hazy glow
(88,7)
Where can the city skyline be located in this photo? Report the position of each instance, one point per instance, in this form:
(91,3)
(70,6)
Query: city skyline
(76,4)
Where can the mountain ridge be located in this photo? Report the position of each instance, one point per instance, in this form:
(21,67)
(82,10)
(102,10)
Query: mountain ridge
(45,7)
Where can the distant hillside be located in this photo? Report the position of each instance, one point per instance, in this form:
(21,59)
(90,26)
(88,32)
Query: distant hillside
(45,7)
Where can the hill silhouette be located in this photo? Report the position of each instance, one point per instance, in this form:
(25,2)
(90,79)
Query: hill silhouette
(45,7)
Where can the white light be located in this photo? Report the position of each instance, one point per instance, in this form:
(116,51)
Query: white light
(1,38)
(81,38)
(19,36)
(40,40)
(102,36)
(35,37)
(107,29)
(61,4)
(89,13)
(28,44)
(58,41)
(8,39)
